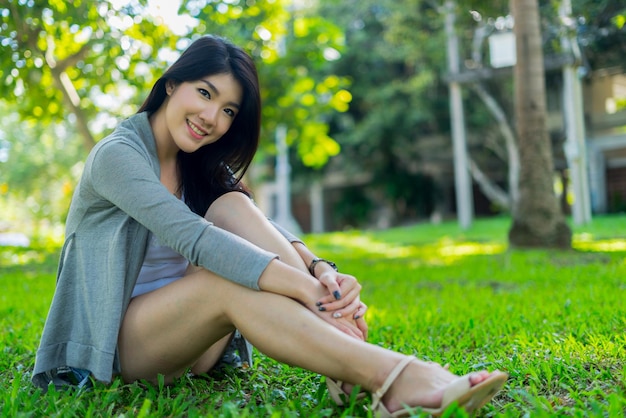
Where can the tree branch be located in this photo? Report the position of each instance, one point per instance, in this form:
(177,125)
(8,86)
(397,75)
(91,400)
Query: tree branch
(73,59)
(507,134)
(71,98)
(493,192)
(57,69)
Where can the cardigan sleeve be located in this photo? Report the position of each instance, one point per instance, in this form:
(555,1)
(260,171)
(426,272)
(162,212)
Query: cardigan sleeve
(121,174)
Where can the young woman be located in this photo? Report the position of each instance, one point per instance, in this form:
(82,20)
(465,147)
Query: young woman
(166,257)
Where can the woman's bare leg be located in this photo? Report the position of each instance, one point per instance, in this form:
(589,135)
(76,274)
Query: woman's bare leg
(210,357)
(235,212)
(228,212)
(170,329)
(167,330)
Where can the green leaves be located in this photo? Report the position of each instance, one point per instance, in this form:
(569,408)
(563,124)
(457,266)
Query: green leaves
(97,60)
(59,60)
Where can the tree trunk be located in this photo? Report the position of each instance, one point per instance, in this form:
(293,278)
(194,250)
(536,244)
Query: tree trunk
(538,220)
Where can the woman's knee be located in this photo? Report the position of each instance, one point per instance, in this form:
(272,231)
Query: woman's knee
(228,206)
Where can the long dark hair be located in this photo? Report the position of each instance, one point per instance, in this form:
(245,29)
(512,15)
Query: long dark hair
(215,168)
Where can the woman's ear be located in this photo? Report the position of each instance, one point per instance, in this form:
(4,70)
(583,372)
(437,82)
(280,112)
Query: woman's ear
(169,87)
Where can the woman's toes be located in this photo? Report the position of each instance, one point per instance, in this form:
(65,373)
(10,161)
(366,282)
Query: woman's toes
(478,377)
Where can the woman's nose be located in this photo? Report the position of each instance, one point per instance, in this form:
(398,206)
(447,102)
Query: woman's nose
(209,114)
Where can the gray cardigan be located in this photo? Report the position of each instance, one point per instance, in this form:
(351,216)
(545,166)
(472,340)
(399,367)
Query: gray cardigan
(118,200)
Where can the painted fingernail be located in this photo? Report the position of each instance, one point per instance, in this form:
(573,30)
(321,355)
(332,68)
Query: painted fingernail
(337,315)
(318,303)
(337,295)
(322,308)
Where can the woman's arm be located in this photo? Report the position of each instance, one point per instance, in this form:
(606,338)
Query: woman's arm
(289,281)
(122,176)
(344,290)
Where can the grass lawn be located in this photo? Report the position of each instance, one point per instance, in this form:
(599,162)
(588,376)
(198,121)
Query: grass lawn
(555,321)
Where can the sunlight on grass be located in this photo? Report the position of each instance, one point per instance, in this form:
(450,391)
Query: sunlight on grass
(445,251)
(367,244)
(586,242)
(457,250)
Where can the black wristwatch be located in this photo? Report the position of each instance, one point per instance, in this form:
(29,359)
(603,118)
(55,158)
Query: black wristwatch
(320,260)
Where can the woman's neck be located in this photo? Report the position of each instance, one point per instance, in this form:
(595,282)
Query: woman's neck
(166,147)
(167,152)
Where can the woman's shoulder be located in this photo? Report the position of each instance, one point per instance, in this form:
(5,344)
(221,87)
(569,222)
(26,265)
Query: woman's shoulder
(133,134)
(134,131)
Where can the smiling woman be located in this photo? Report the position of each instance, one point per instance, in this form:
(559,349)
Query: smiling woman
(202,111)
(167,260)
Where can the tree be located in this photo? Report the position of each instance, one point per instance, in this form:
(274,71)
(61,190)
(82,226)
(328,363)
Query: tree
(96,60)
(76,61)
(76,68)
(538,220)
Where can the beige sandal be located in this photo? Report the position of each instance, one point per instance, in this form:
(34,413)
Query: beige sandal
(459,391)
(337,394)
(340,396)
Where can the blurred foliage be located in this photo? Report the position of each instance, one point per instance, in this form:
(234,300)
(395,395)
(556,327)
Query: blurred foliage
(95,61)
(38,177)
(358,84)
(87,62)
(398,122)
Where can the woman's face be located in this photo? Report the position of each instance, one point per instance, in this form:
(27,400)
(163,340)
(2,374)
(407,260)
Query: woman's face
(201,112)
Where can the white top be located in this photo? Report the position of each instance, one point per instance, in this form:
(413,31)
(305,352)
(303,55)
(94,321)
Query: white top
(161,266)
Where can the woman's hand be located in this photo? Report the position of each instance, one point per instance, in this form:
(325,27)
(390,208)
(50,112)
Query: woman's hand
(347,308)
(360,320)
(348,326)
(353,327)
(344,295)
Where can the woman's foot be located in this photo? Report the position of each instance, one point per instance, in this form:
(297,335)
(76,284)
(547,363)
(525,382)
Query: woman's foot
(432,387)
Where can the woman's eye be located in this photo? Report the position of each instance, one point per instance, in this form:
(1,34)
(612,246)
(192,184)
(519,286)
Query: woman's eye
(230,112)
(205,93)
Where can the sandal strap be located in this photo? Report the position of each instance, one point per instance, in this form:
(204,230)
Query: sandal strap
(377,397)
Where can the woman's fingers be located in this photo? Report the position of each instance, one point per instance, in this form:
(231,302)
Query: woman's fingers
(331,282)
(348,303)
(355,327)
(341,287)
(362,325)
(345,325)
(351,327)
(360,312)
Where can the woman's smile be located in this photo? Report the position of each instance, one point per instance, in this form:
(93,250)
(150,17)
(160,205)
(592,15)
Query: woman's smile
(196,131)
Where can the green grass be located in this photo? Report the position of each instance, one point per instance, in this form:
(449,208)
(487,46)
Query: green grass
(554,320)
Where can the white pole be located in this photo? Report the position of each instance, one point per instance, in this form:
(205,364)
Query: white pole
(283,182)
(463,184)
(316,197)
(575,146)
